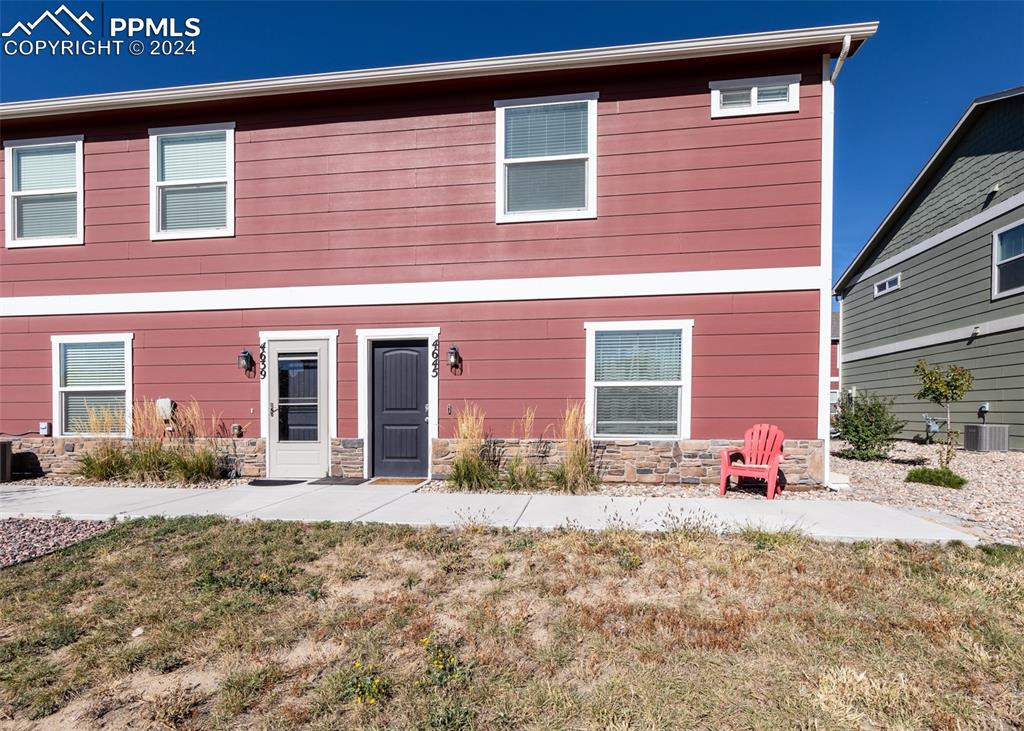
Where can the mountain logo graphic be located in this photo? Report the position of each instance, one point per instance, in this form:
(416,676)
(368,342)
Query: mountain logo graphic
(55,17)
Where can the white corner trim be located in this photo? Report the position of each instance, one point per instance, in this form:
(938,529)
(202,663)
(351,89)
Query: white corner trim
(942,237)
(777,279)
(501,163)
(56,341)
(996,294)
(791,104)
(331,336)
(364,339)
(685,377)
(965,332)
(418,73)
(825,282)
(9,193)
(228,179)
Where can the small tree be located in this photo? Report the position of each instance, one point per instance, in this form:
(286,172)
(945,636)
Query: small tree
(867,423)
(944,386)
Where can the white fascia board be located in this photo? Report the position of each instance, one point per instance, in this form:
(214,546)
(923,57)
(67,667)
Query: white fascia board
(418,73)
(965,332)
(777,279)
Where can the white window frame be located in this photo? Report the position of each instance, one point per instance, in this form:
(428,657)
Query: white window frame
(792,104)
(57,395)
(10,241)
(996,293)
(685,382)
(500,162)
(155,234)
(898,276)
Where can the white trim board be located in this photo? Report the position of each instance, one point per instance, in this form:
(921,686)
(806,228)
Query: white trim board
(685,377)
(529,63)
(1013,322)
(364,338)
(331,336)
(718,281)
(825,280)
(942,237)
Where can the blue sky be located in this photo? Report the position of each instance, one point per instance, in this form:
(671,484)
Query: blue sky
(896,99)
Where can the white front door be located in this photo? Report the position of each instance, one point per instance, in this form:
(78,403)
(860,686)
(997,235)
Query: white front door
(298,438)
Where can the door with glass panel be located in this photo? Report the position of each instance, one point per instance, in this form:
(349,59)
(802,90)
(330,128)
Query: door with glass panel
(298,439)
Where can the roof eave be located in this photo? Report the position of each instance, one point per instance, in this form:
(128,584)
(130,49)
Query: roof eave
(419,73)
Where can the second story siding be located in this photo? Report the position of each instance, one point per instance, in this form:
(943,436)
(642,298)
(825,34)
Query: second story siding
(398,185)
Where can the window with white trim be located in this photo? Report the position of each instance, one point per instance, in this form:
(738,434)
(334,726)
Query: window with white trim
(638,378)
(43,201)
(764,95)
(888,284)
(92,389)
(1008,260)
(546,158)
(192,181)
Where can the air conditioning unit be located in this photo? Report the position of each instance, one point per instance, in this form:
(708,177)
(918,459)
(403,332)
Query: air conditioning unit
(986,437)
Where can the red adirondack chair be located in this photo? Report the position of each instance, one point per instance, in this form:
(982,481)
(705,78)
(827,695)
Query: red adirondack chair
(761,454)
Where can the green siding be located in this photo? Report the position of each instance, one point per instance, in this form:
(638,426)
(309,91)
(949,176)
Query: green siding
(997,362)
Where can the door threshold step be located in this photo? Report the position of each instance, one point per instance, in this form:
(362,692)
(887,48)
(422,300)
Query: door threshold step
(398,481)
(276,483)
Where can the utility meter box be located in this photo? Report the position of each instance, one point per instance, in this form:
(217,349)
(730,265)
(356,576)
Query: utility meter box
(165,408)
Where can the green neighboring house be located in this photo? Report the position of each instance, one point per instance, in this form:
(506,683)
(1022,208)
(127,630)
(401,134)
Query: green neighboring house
(942,278)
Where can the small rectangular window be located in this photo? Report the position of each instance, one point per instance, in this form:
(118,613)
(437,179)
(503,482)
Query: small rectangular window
(755,96)
(1008,261)
(92,389)
(43,192)
(639,378)
(192,182)
(888,285)
(546,158)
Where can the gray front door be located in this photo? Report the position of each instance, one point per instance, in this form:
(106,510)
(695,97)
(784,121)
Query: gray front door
(401,427)
(298,444)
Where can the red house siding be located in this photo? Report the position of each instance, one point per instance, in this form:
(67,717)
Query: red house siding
(517,354)
(327,185)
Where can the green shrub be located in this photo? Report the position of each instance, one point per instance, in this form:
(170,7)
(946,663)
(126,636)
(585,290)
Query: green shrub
(472,472)
(521,474)
(866,422)
(195,465)
(939,476)
(108,460)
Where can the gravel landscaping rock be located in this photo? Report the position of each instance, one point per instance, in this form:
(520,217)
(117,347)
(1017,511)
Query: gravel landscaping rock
(23,539)
(77,481)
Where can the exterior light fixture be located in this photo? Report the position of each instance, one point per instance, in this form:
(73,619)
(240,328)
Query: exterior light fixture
(245,361)
(454,357)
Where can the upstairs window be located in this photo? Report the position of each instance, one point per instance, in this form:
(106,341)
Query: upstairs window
(755,96)
(92,391)
(1008,261)
(192,181)
(639,378)
(546,158)
(888,285)
(43,192)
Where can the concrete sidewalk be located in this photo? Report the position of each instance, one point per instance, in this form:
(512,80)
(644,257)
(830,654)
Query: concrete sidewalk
(827,520)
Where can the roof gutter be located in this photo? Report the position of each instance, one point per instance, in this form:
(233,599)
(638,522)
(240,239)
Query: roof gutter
(842,58)
(529,63)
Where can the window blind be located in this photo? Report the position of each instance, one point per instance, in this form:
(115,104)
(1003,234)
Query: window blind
(641,355)
(107,406)
(638,410)
(193,207)
(543,186)
(38,216)
(92,364)
(196,156)
(1011,243)
(44,168)
(735,97)
(772,93)
(553,129)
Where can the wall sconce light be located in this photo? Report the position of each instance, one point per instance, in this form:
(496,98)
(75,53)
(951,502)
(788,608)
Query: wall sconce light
(245,361)
(454,357)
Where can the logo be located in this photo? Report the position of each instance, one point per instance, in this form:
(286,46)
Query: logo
(54,18)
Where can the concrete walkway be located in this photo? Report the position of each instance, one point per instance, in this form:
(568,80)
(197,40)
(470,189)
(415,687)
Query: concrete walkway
(828,520)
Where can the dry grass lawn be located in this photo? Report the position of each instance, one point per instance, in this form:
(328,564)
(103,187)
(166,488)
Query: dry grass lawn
(205,623)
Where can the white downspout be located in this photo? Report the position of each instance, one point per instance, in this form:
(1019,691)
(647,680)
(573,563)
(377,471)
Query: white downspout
(844,51)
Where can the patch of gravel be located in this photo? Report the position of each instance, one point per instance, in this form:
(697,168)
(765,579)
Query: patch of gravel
(78,481)
(795,492)
(991,503)
(23,539)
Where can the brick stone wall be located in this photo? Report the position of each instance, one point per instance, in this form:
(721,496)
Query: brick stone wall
(346,458)
(35,456)
(691,461)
